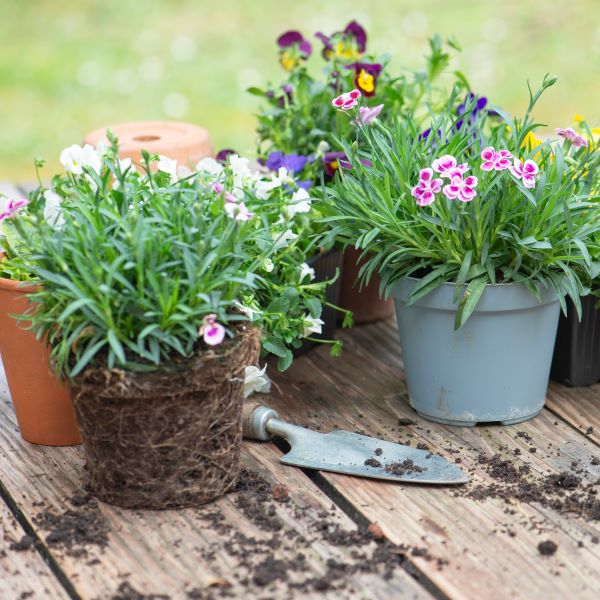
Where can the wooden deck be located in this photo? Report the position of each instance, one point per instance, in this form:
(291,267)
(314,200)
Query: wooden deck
(286,533)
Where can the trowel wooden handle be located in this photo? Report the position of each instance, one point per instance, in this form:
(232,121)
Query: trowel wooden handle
(254,421)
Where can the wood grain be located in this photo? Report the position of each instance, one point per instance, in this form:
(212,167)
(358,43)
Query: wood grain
(489,545)
(23,573)
(580,406)
(175,552)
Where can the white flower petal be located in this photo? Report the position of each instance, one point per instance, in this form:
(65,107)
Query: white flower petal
(52,211)
(256,380)
(209,165)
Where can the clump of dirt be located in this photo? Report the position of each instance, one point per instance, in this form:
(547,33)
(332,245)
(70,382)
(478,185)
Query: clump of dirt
(127,592)
(547,548)
(25,543)
(280,493)
(278,556)
(406,421)
(372,462)
(270,570)
(564,492)
(74,530)
(378,451)
(405,467)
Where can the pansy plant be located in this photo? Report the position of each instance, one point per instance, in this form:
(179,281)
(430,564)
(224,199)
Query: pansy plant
(287,300)
(298,128)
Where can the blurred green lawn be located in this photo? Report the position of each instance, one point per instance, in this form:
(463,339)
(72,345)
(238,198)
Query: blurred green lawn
(69,66)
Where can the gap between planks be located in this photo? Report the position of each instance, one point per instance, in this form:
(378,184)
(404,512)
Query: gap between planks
(24,573)
(365,390)
(168,551)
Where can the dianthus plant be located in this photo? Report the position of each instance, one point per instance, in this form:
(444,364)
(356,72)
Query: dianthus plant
(470,206)
(136,268)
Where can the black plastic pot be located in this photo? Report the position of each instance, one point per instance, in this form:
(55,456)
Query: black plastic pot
(576,360)
(325,266)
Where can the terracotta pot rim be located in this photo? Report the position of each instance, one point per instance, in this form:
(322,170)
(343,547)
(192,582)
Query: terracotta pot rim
(17,285)
(152,128)
(13,284)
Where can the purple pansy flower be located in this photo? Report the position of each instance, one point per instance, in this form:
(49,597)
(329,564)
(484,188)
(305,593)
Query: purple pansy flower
(285,98)
(305,184)
(293,49)
(338,160)
(292,162)
(348,44)
(478,106)
(333,161)
(224,154)
(366,75)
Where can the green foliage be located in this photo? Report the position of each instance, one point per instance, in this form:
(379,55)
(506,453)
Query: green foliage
(508,233)
(286,294)
(298,117)
(136,264)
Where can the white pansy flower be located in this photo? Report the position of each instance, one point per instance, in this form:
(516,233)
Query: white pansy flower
(264,187)
(312,325)
(168,166)
(268,265)
(283,239)
(322,148)
(183,171)
(300,203)
(124,164)
(249,312)
(306,271)
(284,176)
(52,211)
(238,211)
(75,158)
(101,148)
(256,380)
(209,165)
(241,170)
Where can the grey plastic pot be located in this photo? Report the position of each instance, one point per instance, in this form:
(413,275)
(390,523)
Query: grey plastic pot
(495,368)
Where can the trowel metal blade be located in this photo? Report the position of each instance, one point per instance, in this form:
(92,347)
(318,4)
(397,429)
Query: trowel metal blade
(346,452)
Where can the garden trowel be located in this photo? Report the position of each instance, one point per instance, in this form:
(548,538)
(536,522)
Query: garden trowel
(350,453)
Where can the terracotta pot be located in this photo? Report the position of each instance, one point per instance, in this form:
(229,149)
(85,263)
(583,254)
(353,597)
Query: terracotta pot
(42,405)
(183,141)
(366,304)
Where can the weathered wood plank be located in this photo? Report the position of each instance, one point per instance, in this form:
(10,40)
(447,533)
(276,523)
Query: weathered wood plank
(580,406)
(489,545)
(177,553)
(23,573)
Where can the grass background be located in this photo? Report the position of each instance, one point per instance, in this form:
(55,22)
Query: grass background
(69,66)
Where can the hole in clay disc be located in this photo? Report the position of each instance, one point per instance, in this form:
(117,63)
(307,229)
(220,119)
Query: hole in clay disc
(146,138)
